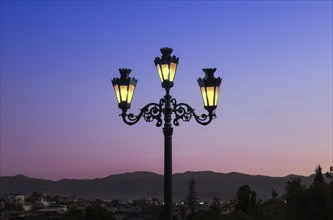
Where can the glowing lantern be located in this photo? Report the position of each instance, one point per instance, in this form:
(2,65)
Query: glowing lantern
(124,88)
(166,67)
(209,87)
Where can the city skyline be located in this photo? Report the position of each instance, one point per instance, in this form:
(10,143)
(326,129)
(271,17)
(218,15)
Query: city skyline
(59,114)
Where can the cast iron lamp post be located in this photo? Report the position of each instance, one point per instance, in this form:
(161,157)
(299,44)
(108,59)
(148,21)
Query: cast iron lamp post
(166,67)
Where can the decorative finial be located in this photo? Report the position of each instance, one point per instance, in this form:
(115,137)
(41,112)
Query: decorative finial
(166,52)
(209,73)
(124,73)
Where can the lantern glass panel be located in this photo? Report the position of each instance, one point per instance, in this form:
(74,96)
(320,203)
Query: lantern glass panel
(116,90)
(159,72)
(204,95)
(123,93)
(210,95)
(216,94)
(130,93)
(173,67)
(165,71)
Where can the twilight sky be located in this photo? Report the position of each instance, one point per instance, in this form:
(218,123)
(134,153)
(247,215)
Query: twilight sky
(59,114)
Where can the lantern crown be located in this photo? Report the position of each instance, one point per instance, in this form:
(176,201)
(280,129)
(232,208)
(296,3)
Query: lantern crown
(166,57)
(166,52)
(124,73)
(124,78)
(209,78)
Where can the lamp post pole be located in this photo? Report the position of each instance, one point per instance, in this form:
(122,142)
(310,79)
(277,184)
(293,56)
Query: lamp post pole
(167,130)
(166,65)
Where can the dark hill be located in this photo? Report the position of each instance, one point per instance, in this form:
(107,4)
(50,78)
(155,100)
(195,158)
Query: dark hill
(146,184)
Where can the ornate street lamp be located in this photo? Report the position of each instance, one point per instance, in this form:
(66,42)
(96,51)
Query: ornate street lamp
(209,86)
(124,88)
(166,67)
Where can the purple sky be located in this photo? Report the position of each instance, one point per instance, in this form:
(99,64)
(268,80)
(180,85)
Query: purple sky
(59,116)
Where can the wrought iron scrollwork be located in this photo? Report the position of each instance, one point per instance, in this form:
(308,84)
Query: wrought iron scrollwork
(154,111)
(150,112)
(182,111)
(185,112)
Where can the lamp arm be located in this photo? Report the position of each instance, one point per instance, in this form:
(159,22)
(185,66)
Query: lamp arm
(149,112)
(185,112)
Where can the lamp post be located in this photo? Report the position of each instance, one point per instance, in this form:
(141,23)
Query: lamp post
(166,67)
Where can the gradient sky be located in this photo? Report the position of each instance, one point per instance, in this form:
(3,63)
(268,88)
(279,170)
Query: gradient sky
(59,116)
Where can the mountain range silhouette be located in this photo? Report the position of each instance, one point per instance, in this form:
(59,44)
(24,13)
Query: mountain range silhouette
(138,185)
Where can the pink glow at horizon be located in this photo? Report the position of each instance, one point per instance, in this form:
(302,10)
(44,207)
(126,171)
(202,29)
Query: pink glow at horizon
(59,115)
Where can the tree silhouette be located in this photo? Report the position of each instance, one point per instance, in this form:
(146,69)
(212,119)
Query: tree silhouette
(293,185)
(319,178)
(272,209)
(315,202)
(246,200)
(192,199)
